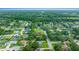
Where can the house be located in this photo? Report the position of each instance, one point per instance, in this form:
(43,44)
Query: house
(1,37)
(26,30)
(15,36)
(7,43)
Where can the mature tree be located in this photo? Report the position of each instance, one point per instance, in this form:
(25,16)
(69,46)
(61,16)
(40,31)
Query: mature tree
(31,46)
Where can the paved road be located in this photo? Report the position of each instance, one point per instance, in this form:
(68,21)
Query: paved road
(16,48)
(48,41)
(8,45)
(42,49)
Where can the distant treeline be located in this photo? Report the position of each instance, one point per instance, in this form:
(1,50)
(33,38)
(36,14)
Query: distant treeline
(40,16)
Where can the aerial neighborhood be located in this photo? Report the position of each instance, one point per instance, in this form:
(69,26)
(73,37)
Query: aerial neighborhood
(39,30)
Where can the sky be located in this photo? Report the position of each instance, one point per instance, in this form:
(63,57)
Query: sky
(39,3)
(39,9)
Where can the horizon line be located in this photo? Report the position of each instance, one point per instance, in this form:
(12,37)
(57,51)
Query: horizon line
(39,8)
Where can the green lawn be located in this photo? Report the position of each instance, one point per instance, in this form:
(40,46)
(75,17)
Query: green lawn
(44,45)
(3,41)
(2,47)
